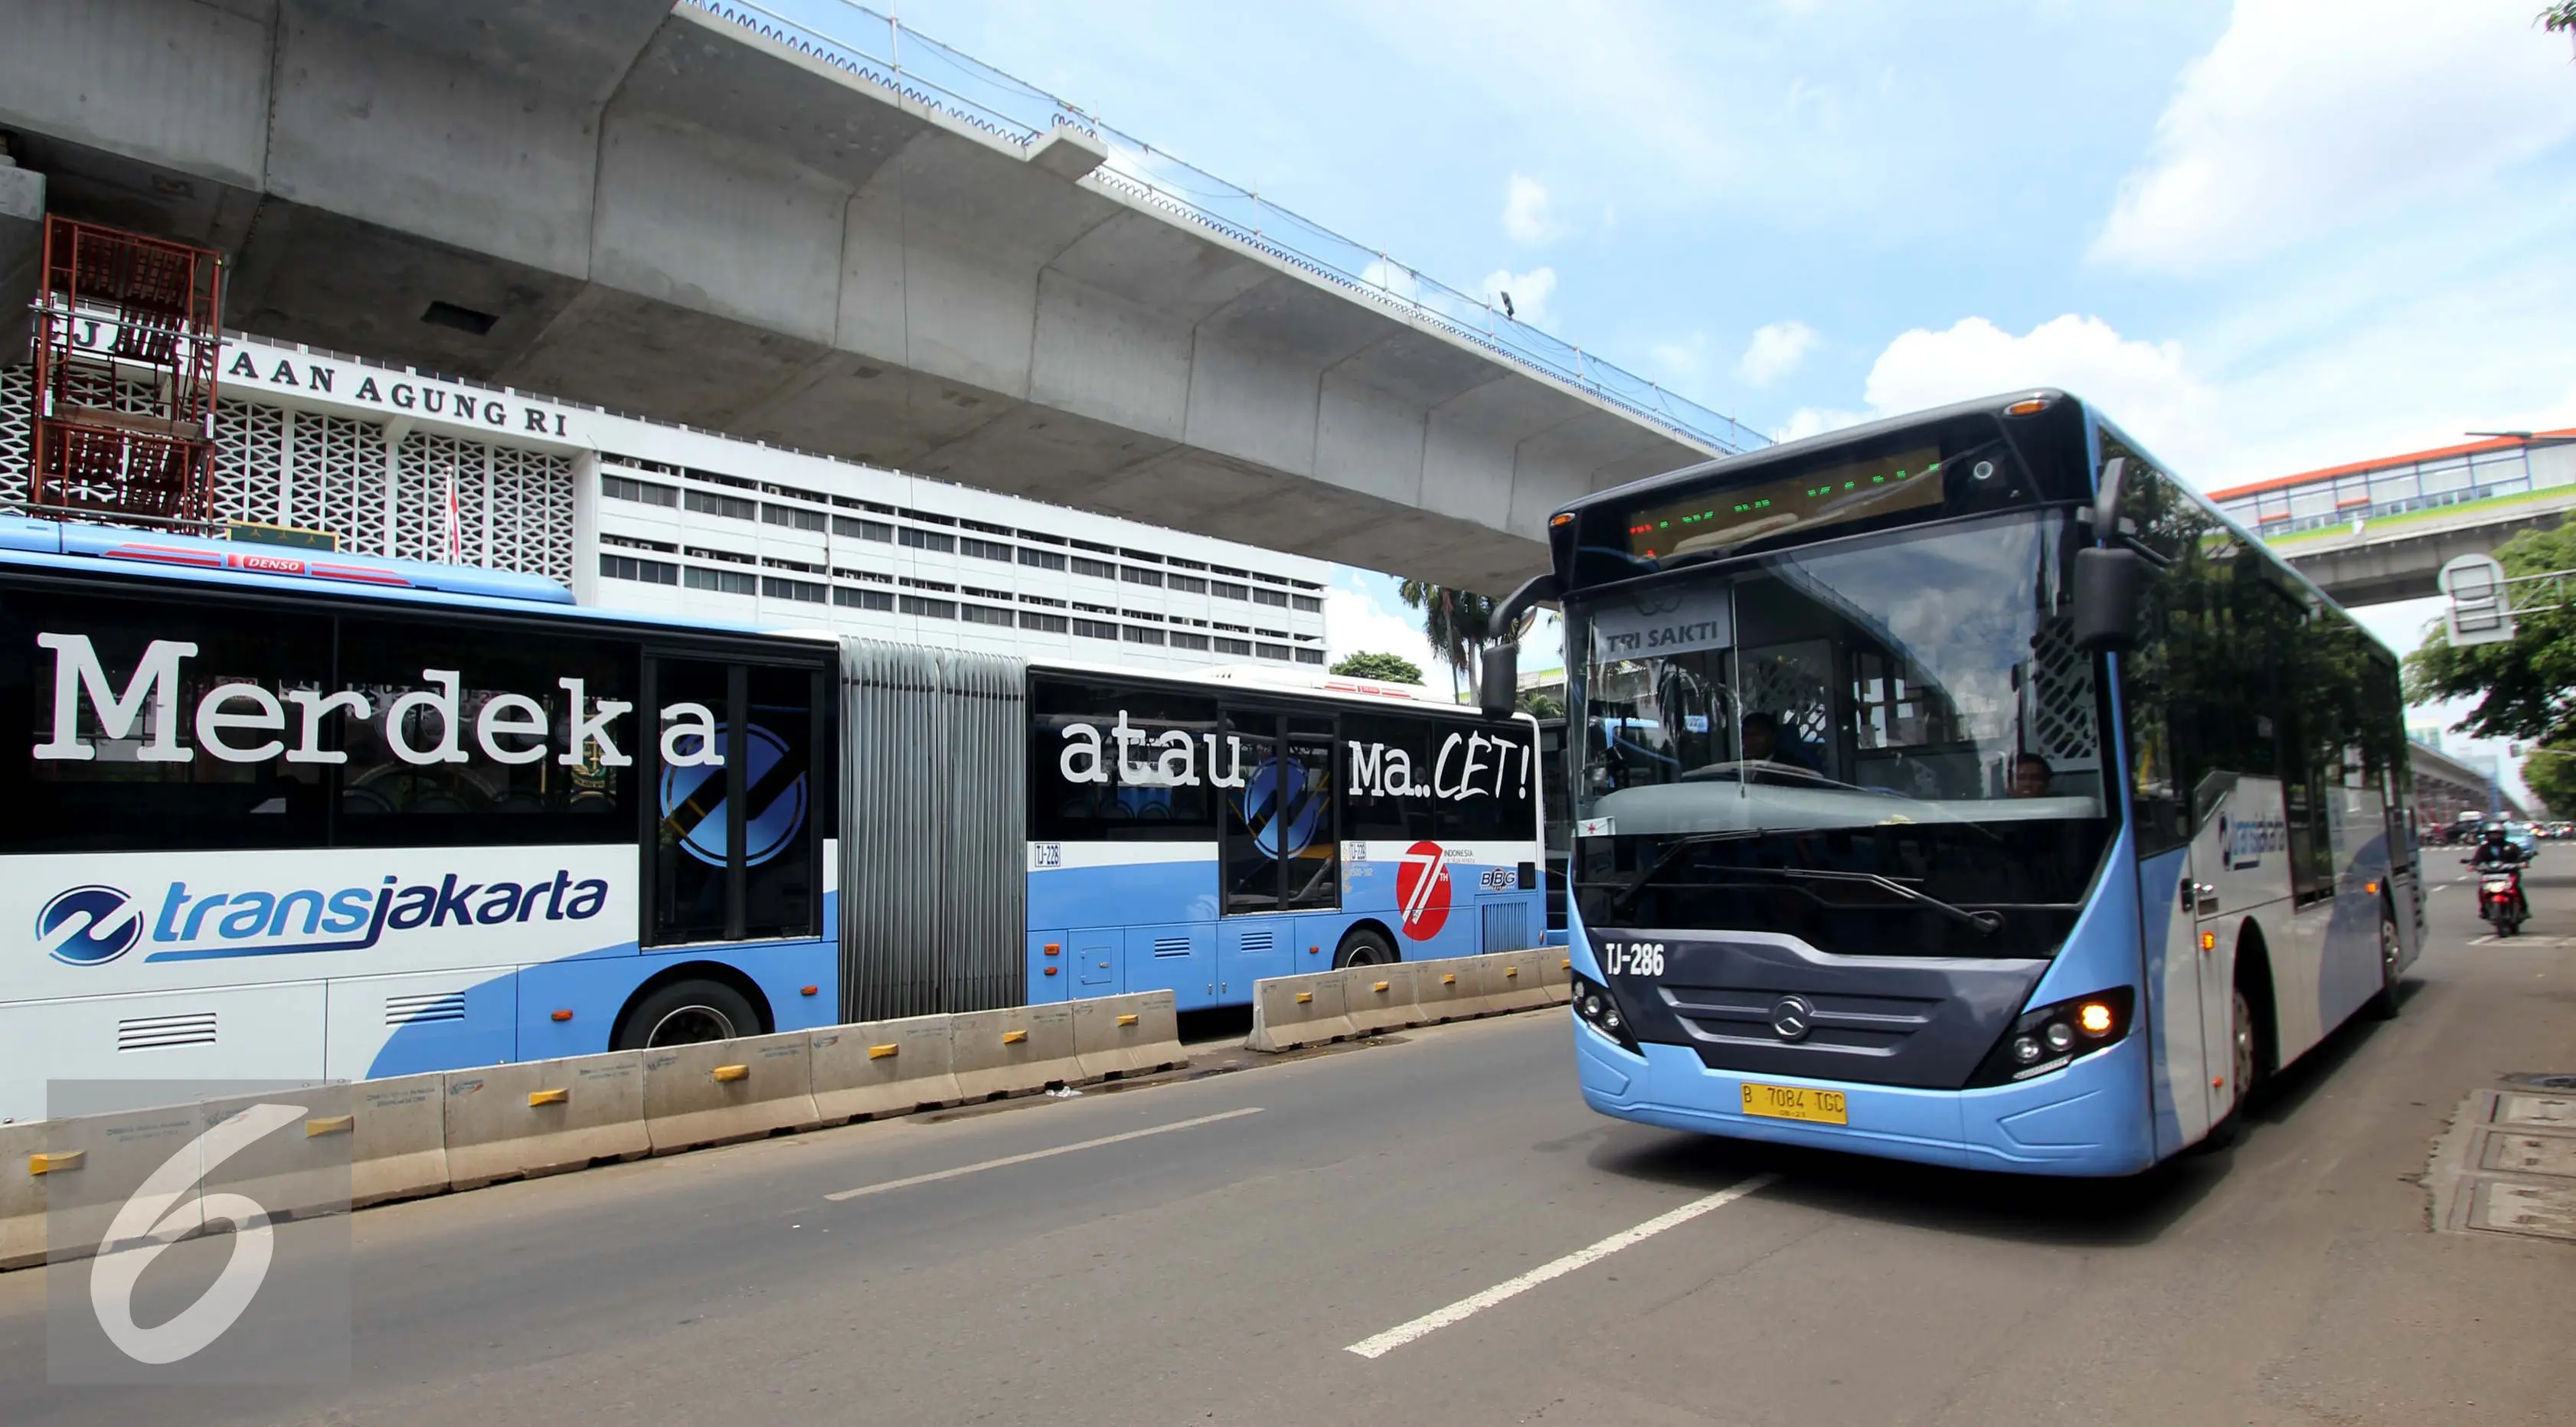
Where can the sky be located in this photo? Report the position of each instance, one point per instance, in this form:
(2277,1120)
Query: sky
(2266,236)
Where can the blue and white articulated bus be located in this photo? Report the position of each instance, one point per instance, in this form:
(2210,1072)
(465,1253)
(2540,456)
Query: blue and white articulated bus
(291,815)
(1964,788)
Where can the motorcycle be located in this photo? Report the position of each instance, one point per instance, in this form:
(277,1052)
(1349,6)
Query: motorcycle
(2500,901)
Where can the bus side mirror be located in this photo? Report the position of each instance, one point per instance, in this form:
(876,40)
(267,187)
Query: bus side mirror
(1498,679)
(2106,600)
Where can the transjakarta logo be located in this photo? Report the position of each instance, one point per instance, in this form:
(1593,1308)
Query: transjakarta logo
(90,926)
(2244,842)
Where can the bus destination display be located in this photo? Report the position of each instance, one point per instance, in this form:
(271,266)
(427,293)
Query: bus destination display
(1719,520)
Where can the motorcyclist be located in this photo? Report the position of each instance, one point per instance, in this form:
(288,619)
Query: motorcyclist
(2497,852)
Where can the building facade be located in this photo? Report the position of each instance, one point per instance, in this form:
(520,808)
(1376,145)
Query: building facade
(647,516)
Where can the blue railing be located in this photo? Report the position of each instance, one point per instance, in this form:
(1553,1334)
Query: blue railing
(885,52)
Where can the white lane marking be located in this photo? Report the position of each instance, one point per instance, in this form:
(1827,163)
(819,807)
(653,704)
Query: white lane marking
(1403,1333)
(965,1169)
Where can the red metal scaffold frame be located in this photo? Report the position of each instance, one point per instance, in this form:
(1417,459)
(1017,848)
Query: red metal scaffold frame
(128,333)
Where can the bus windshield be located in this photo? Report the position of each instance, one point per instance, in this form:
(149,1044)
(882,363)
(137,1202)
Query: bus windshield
(1905,708)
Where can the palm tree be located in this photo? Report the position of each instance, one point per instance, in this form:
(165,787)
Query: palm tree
(1456,622)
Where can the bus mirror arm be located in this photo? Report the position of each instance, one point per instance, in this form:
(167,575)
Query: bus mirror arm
(2106,500)
(2106,599)
(1498,678)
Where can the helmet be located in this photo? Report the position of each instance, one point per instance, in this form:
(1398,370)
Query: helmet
(2494,832)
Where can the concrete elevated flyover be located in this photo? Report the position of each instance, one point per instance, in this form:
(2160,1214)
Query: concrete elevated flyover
(2374,532)
(713,215)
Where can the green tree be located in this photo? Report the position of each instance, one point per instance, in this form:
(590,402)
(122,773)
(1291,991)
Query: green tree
(2551,775)
(2525,688)
(1542,705)
(1455,621)
(1392,668)
(2557,17)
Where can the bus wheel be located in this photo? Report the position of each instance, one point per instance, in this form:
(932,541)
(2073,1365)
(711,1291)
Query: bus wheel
(2244,1063)
(687,1013)
(1363,948)
(2384,1005)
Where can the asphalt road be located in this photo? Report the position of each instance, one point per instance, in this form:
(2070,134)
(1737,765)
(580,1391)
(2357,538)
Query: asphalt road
(1217,1266)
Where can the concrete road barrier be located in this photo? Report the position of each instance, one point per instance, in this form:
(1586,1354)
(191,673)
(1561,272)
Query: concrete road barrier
(1445,991)
(718,1092)
(1127,1035)
(22,1194)
(1290,1011)
(93,1162)
(882,1067)
(1556,973)
(544,1117)
(1519,985)
(1379,998)
(398,1148)
(298,1169)
(1011,1051)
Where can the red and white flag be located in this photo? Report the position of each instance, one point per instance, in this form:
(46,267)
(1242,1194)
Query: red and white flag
(454,517)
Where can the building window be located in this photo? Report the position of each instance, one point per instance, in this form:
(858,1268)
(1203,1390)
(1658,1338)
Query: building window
(1041,559)
(858,529)
(793,517)
(974,549)
(1189,641)
(640,492)
(723,582)
(1233,646)
(982,526)
(650,572)
(1097,569)
(1273,651)
(928,540)
(1042,599)
(1135,635)
(1271,597)
(1310,656)
(862,599)
(1306,604)
(1134,576)
(1228,590)
(1188,584)
(927,609)
(984,614)
(730,507)
(1050,623)
(1095,629)
(804,591)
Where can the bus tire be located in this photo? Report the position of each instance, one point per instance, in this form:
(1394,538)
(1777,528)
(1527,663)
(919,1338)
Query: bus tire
(2384,1006)
(687,1013)
(1363,947)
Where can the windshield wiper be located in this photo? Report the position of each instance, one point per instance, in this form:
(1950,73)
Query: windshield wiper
(1986,923)
(1626,899)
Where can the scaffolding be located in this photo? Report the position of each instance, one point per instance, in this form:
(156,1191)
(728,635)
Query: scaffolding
(127,334)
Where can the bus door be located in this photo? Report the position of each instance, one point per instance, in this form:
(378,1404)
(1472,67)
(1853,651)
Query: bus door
(1282,850)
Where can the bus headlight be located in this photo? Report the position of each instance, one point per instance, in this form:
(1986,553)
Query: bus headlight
(1597,1008)
(2051,1037)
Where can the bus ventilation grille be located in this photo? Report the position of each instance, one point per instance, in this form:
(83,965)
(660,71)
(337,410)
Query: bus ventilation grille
(415,1010)
(164,1032)
(1171,946)
(1259,941)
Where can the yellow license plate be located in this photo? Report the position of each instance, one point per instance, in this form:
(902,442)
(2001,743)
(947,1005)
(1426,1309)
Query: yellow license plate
(1793,1102)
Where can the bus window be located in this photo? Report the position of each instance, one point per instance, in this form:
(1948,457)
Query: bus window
(1310,854)
(780,897)
(1080,788)
(691,865)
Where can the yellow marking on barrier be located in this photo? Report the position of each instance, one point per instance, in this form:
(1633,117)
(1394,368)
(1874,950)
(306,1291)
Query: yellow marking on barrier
(547,1097)
(1511,971)
(1449,978)
(1014,1037)
(880,1052)
(330,1125)
(726,1074)
(1566,965)
(1127,1020)
(1380,986)
(55,1163)
(1305,996)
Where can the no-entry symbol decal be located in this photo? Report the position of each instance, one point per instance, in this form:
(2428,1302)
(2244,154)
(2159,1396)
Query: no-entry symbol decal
(1422,890)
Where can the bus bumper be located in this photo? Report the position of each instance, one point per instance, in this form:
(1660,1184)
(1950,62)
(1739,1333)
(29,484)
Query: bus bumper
(2091,1118)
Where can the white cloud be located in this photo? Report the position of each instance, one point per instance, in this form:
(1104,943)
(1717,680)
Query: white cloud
(1809,421)
(1356,623)
(1394,279)
(1776,350)
(2301,120)
(1529,292)
(1680,359)
(2146,385)
(1529,215)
